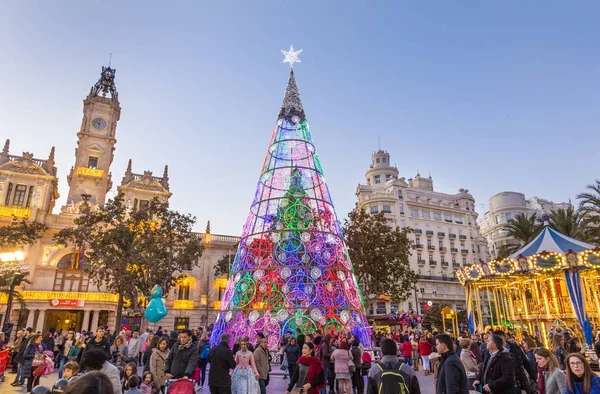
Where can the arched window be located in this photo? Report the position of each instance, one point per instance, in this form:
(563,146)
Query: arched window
(70,275)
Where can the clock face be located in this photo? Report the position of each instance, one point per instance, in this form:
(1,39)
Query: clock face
(99,124)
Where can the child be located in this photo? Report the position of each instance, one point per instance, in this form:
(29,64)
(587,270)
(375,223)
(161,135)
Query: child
(130,370)
(133,383)
(148,385)
(70,369)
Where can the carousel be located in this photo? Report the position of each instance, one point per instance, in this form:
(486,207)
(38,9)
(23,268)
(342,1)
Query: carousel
(548,286)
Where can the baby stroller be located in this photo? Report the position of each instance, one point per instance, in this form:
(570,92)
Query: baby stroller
(180,386)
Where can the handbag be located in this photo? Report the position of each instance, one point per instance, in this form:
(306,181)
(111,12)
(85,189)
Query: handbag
(351,366)
(284,363)
(38,360)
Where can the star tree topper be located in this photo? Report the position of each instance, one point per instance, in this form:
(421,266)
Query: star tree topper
(291,56)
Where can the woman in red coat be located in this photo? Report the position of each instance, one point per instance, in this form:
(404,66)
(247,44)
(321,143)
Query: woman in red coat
(406,350)
(424,351)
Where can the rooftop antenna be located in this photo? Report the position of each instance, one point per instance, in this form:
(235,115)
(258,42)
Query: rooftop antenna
(110,59)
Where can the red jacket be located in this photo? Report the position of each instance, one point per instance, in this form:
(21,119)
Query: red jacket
(425,348)
(406,349)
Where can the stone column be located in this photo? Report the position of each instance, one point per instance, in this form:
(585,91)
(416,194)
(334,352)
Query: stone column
(40,321)
(86,320)
(95,317)
(30,317)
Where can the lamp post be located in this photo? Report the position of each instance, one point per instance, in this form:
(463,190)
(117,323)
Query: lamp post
(8,259)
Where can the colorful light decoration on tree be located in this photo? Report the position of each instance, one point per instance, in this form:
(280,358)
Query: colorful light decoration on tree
(292,269)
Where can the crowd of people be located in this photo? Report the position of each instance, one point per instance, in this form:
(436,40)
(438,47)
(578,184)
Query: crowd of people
(155,362)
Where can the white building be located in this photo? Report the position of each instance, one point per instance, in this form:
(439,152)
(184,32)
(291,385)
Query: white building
(504,207)
(446,233)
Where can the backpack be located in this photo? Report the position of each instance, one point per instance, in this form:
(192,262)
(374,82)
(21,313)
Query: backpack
(205,351)
(391,381)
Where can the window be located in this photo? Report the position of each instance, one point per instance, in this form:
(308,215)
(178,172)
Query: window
(144,205)
(453,260)
(430,258)
(508,216)
(442,259)
(400,195)
(401,209)
(374,209)
(497,219)
(380,308)
(462,245)
(70,275)
(183,292)
(29,197)
(414,213)
(425,214)
(419,257)
(8,193)
(377,178)
(417,241)
(92,162)
(387,209)
(441,244)
(452,244)
(383,159)
(459,220)
(19,197)
(377,160)
(429,243)
(181,323)
(464,261)
(448,218)
(388,177)
(437,216)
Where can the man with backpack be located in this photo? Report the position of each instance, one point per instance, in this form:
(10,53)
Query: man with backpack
(389,375)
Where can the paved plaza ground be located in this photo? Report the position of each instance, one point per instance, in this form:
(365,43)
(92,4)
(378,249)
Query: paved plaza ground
(278,385)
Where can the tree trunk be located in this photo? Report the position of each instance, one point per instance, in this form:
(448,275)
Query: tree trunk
(119,314)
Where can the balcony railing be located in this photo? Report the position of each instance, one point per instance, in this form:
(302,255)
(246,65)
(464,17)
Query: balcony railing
(445,264)
(441,234)
(434,277)
(419,246)
(443,249)
(464,251)
(455,265)
(431,247)
(432,262)
(454,250)
(418,231)
(429,233)
(452,236)
(421,262)
(462,237)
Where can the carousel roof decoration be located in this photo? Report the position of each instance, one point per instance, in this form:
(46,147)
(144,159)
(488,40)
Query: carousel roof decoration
(549,251)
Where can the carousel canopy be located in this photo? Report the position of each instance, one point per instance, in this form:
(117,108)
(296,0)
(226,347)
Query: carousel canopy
(550,240)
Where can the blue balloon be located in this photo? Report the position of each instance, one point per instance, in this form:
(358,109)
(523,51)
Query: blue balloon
(156,309)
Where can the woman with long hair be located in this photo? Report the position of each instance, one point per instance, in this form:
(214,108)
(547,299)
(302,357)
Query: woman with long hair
(67,344)
(244,379)
(158,360)
(468,361)
(551,380)
(309,377)
(529,347)
(33,351)
(559,350)
(130,370)
(341,358)
(580,378)
(118,351)
(203,353)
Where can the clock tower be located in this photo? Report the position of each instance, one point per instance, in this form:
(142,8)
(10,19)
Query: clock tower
(90,178)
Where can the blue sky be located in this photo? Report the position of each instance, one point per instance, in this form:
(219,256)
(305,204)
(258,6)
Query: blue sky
(488,96)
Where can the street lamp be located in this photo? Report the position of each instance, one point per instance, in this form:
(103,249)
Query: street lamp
(11,262)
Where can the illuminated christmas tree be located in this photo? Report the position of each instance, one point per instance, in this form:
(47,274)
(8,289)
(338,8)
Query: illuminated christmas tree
(292,269)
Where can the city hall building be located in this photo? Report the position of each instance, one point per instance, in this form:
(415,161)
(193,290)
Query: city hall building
(61,296)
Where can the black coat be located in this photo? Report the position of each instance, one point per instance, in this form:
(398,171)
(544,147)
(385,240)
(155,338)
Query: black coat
(92,344)
(182,362)
(28,355)
(521,364)
(452,378)
(501,373)
(19,357)
(221,361)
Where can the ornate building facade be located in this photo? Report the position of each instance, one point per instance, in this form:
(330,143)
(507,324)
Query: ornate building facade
(504,207)
(445,232)
(61,295)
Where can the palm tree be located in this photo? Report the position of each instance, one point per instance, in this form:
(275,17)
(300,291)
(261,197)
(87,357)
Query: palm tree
(589,207)
(567,221)
(521,230)
(6,279)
